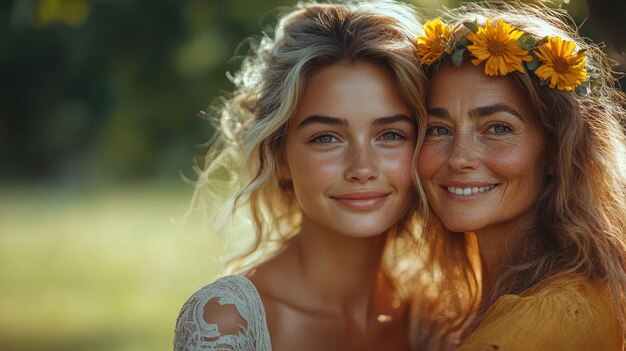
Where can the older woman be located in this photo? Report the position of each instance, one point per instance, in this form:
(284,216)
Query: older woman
(523,169)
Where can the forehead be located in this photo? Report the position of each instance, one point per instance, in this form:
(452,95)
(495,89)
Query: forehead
(347,90)
(470,87)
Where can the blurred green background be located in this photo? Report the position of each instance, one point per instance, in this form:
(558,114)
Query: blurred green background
(100,122)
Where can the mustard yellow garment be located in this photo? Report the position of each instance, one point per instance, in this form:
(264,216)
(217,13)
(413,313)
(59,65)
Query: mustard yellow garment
(569,313)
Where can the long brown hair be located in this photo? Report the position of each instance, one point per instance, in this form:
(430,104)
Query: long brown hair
(581,226)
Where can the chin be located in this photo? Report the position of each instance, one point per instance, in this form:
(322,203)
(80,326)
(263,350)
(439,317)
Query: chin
(460,226)
(364,233)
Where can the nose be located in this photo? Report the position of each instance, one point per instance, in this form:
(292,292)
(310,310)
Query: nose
(361,163)
(464,154)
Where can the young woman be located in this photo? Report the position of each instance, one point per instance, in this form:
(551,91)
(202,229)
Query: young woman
(325,116)
(523,169)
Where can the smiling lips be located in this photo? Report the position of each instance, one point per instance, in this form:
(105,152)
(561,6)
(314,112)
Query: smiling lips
(362,201)
(469,190)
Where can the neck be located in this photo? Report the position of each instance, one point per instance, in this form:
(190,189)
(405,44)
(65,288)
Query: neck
(495,245)
(493,248)
(345,273)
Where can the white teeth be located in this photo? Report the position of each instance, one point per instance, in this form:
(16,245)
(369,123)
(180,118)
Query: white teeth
(470,191)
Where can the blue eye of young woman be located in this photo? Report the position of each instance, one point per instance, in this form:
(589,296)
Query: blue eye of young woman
(437,131)
(392,135)
(324,138)
(499,129)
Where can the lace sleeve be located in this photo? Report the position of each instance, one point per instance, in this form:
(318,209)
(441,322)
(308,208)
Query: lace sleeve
(227,315)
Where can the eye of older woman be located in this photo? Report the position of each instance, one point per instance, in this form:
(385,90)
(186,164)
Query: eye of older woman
(437,131)
(499,129)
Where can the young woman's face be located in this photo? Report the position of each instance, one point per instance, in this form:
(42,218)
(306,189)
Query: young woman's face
(348,151)
(483,160)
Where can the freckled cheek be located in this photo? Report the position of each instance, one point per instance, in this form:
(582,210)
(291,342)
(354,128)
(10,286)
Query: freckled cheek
(429,160)
(313,169)
(522,170)
(513,163)
(398,166)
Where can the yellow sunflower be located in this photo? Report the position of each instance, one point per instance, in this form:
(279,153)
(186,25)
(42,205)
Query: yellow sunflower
(434,44)
(499,47)
(562,69)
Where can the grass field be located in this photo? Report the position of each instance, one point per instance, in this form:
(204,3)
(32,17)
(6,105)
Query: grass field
(98,269)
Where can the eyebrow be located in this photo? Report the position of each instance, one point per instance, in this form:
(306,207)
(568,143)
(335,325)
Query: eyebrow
(323,120)
(344,123)
(491,109)
(438,112)
(478,111)
(393,119)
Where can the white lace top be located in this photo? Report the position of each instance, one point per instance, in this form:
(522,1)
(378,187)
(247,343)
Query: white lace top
(193,333)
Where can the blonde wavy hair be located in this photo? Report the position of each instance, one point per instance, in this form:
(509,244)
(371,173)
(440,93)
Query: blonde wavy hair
(253,121)
(581,226)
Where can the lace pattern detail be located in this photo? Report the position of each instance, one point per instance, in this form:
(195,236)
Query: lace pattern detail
(193,333)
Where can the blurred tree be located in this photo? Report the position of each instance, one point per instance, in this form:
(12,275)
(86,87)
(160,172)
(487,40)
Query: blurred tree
(96,89)
(70,12)
(107,89)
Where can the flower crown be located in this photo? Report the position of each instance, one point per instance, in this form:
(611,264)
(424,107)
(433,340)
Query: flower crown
(505,49)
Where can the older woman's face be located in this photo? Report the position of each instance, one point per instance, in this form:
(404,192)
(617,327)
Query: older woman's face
(483,160)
